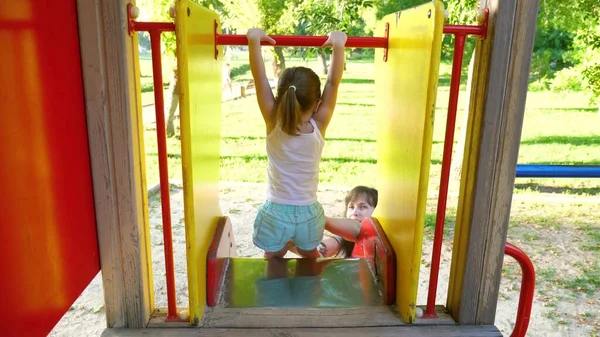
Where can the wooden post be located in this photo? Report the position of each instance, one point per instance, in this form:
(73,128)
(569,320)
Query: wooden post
(498,95)
(113,111)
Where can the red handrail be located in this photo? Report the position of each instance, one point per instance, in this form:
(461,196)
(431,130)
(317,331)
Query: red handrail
(527,289)
(165,197)
(304,41)
(459,47)
(155,30)
(460,34)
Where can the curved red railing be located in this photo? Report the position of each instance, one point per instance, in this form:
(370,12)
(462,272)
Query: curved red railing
(527,289)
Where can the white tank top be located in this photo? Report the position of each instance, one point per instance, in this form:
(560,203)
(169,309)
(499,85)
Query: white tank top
(293,166)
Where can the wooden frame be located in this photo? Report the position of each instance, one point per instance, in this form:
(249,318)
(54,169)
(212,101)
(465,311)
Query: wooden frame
(113,112)
(498,93)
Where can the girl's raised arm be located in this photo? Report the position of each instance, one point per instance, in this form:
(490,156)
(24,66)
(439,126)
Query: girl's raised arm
(337,40)
(264,95)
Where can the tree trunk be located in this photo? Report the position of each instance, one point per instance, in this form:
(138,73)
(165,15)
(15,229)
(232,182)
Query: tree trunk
(174,93)
(278,61)
(457,158)
(323,59)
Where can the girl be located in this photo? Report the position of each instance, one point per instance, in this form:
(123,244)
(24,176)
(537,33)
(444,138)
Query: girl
(296,121)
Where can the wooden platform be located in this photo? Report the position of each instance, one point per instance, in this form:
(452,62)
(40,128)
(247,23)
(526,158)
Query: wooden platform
(302,318)
(402,331)
(284,318)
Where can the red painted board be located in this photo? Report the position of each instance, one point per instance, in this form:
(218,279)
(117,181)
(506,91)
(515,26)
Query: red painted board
(221,249)
(373,244)
(48,244)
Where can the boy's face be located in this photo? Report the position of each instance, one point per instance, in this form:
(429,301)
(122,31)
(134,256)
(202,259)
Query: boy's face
(358,209)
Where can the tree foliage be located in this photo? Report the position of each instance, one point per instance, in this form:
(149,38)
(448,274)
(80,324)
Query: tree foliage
(158,10)
(567,36)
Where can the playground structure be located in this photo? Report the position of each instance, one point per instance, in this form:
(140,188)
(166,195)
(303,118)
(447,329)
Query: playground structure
(112,107)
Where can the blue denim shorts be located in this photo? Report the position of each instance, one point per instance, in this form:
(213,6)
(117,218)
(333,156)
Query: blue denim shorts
(277,224)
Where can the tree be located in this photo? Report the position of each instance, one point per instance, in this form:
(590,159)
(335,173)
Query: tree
(581,19)
(266,14)
(271,12)
(385,7)
(319,17)
(158,10)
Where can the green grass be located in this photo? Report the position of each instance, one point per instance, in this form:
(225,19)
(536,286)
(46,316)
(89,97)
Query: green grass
(558,129)
(588,283)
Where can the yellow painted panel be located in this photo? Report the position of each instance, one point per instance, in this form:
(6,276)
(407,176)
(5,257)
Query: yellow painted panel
(406,87)
(200,113)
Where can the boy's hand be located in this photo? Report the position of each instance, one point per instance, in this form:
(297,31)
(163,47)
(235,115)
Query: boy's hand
(257,34)
(336,39)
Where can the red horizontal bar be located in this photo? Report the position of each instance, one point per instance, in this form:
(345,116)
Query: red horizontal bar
(153,26)
(303,41)
(463,30)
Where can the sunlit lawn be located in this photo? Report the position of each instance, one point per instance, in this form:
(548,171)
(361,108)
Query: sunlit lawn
(558,129)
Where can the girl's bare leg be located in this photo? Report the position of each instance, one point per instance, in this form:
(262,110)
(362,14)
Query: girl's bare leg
(309,253)
(279,254)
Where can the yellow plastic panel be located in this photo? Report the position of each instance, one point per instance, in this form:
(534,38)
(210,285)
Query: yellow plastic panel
(406,87)
(200,112)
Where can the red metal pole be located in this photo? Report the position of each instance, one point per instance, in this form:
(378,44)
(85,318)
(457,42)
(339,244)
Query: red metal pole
(459,46)
(304,41)
(165,199)
(153,26)
(527,289)
(464,30)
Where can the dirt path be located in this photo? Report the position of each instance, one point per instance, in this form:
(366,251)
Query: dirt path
(556,312)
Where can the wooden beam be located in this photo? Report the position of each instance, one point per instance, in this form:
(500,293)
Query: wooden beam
(498,94)
(113,112)
(398,331)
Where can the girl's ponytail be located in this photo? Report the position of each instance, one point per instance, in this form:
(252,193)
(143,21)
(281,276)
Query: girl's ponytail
(298,90)
(289,114)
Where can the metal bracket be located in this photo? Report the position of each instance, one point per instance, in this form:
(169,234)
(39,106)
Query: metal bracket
(484,24)
(387,40)
(216,33)
(130,19)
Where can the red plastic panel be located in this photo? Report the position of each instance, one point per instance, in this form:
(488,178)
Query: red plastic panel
(221,249)
(48,244)
(373,244)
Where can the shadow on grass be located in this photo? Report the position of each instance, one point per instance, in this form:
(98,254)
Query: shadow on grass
(340,139)
(250,158)
(444,79)
(558,189)
(356,104)
(358,140)
(169,155)
(567,140)
(358,81)
(590,162)
(449,225)
(545,110)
